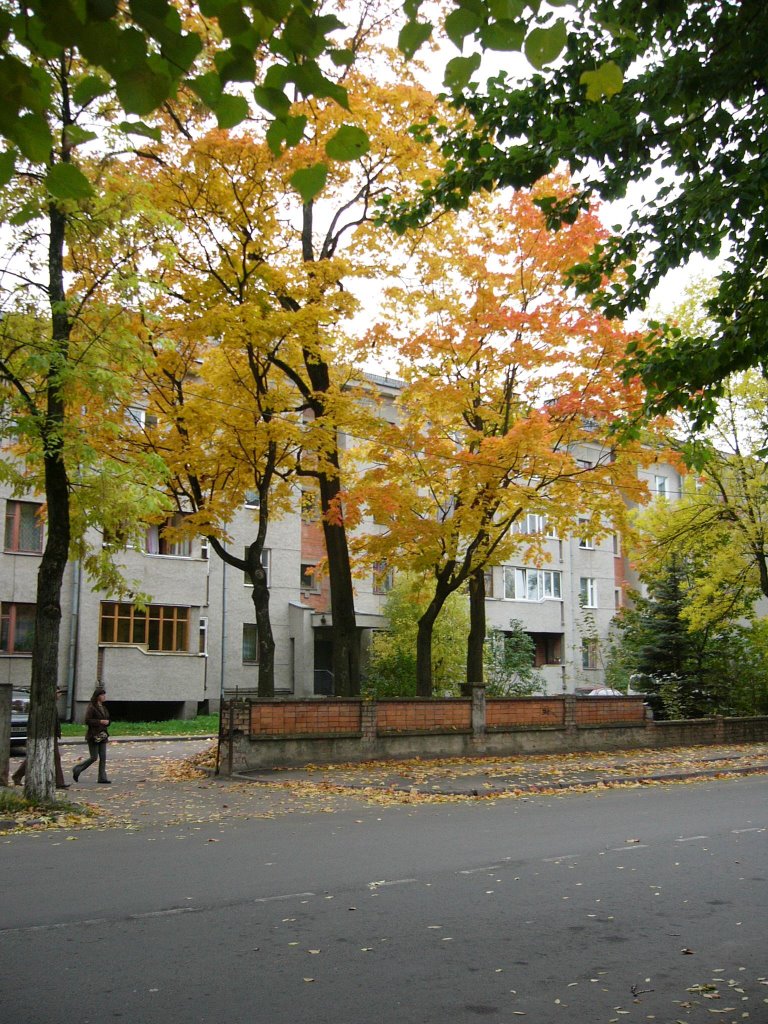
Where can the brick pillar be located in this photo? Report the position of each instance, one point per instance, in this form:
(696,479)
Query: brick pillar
(719,729)
(368,724)
(478,709)
(569,712)
(478,716)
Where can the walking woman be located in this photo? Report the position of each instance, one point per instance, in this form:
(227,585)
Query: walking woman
(96,735)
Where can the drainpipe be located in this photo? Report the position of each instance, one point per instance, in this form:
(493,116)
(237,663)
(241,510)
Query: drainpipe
(222,662)
(222,667)
(74,638)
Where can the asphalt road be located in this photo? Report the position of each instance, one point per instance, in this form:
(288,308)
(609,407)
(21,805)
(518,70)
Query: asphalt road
(631,905)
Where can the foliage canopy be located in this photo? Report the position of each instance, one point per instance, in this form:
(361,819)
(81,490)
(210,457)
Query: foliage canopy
(668,96)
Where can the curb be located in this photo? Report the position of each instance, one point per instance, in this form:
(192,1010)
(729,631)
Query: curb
(78,740)
(532,788)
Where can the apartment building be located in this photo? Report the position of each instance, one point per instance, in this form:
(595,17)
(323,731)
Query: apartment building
(197,641)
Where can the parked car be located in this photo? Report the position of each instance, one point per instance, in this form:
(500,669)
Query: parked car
(19,717)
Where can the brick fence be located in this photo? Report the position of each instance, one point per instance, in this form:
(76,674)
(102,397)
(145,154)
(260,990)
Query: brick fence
(275,733)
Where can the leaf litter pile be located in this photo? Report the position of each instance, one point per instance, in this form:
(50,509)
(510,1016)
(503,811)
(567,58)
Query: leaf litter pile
(435,780)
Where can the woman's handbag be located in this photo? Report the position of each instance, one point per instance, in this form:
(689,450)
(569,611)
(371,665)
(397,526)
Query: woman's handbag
(100,737)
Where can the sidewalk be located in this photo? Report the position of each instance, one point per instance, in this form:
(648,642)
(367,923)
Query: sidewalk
(160,782)
(495,776)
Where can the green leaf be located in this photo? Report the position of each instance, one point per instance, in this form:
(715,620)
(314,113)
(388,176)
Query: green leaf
(235,65)
(459,70)
(212,8)
(294,129)
(7,166)
(310,181)
(506,10)
(32,135)
(25,214)
(544,45)
(65,181)
(76,135)
(231,110)
(272,100)
(139,128)
(232,19)
(503,35)
(89,88)
(604,82)
(289,130)
(349,143)
(207,87)
(343,58)
(142,90)
(412,36)
(460,24)
(311,81)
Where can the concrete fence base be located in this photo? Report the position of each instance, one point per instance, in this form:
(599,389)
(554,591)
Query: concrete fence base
(285,733)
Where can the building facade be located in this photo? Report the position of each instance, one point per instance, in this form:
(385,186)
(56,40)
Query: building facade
(196,641)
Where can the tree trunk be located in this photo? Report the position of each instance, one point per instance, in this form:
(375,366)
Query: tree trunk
(346,641)
(40,782)
(260,596)
(252,567)
(476,639)
(424,641)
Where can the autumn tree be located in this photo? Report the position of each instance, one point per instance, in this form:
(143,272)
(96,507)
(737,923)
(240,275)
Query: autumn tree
(64,357)
(663,100)
(249,261)
(509,381)
(722,512)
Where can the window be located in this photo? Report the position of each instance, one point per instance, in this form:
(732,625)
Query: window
(588,653)
(23,528)
(584,463)
(585,543)
(158,627)
(17,628)
(158,543)
(136,416)
(252,499)
(383,578)
(488,576)
(616,544)
(250,644)
(588,592)
(531,584)
(202,636)
(532,522)
(307,581)
(660,486)
(265,560)
(617,600)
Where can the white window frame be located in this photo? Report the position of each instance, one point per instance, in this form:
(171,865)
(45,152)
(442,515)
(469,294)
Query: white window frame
(534,585)
(588,591)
